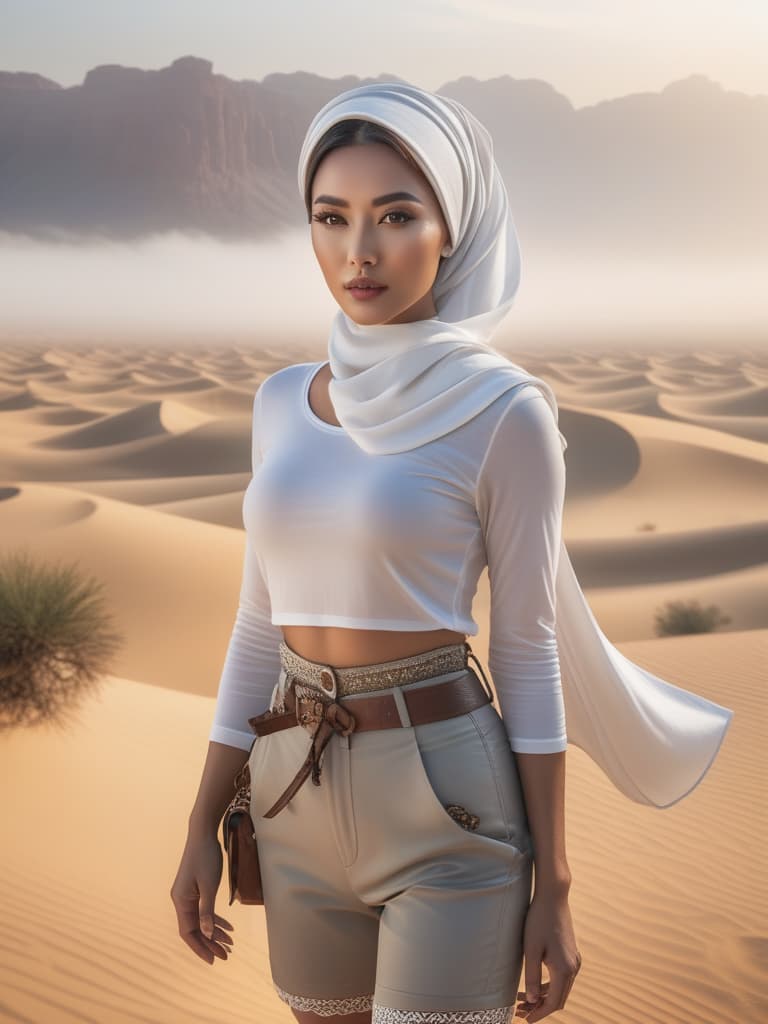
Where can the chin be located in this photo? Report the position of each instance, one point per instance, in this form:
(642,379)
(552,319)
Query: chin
(369,320)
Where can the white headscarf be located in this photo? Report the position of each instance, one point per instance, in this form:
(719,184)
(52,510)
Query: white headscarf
(397,386)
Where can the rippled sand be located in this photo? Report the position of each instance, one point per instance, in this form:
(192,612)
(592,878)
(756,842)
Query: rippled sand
(133,463)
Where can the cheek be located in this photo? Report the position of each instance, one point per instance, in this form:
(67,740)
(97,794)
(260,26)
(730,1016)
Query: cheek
(417,259)
(326,257)
(422,244)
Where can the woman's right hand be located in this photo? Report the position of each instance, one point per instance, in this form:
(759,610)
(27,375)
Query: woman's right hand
(194,894)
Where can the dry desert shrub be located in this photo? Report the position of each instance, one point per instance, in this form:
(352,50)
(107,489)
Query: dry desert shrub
(678,617)
(56,640)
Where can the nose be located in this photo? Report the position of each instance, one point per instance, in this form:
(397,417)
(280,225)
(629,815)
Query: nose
(361,248)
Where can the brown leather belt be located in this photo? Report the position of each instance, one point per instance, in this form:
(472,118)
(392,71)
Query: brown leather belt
(323,716)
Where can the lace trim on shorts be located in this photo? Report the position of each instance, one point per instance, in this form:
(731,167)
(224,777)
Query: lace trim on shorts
(494,1015)
(326,1007)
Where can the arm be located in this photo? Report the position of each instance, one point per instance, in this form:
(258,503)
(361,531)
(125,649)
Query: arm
(521,493)
(520,498)
(250,671)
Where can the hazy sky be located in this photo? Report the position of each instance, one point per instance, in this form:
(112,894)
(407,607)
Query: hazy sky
(587,49)
(173,288)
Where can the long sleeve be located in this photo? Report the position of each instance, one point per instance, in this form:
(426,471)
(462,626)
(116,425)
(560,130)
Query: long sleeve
(520,498)
(252,661)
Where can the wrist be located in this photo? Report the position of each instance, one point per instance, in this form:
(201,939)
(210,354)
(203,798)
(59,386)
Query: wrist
(552,884)
(203,826)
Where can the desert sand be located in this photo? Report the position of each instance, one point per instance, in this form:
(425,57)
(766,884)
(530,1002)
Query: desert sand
(132,461)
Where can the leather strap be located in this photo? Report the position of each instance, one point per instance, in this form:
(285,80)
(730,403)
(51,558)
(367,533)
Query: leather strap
(380,711)
(424,704)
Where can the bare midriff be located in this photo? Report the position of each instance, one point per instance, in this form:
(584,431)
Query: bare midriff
(341,647)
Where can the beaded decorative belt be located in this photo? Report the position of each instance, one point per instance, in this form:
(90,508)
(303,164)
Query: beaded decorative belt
(381,676)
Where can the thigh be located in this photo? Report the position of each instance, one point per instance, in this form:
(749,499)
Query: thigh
(322,939)
(452,938)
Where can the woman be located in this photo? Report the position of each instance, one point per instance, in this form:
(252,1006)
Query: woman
(398,885)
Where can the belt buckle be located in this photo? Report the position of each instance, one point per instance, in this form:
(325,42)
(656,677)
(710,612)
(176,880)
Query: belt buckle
(310,707)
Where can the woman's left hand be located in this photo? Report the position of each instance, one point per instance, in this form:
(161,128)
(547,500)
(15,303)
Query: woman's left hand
(548,938)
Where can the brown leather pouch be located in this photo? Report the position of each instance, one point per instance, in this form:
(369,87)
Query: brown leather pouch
(242,852)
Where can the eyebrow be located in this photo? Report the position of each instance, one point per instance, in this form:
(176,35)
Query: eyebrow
(391,197)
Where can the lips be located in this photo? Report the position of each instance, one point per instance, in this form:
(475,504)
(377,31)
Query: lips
(364,282)
(366,294)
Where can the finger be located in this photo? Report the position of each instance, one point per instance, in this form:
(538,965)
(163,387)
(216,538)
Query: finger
(222,952)
(553,999)
(199,946)
(188,916)
(533,985)
(221,936)
(206,914)
(220,924)
(189,929)
(526,1006)
(544,990)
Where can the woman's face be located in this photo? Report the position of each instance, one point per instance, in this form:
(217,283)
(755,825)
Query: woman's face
(396,243)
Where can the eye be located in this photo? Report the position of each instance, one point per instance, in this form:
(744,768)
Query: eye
(398,213)
(322,218)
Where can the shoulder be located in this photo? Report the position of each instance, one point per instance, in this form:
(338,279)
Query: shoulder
(525,443)
(284,383)
(525,415)
(286,377)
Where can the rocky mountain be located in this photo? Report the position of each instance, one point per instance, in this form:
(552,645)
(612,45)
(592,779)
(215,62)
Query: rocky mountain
(131,152)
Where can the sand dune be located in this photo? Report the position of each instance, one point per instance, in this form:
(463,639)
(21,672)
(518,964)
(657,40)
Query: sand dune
(171,582)
(61,416)
(223,509)
(674,556)
(752,427)
(611,381)
(89,379)
(90,933)
(103,401)
(642,401)
(146,491)
(663,902)
(658,471)
(628,613)
(222,401)
(133,462)
(118,428)
(221,446)
(645,510)
(755,374)
(33,509)
(150,419)
(191,384)
(155,372)
(17,398)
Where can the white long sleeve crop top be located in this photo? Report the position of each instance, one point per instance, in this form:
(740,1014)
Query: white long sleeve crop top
(339,537)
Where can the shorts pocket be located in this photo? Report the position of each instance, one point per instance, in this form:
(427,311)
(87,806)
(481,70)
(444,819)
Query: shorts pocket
(471,779)
(275,760)
(491,727)
(256,755)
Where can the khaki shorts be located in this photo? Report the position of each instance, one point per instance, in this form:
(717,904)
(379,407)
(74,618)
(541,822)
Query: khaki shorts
(376,897)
